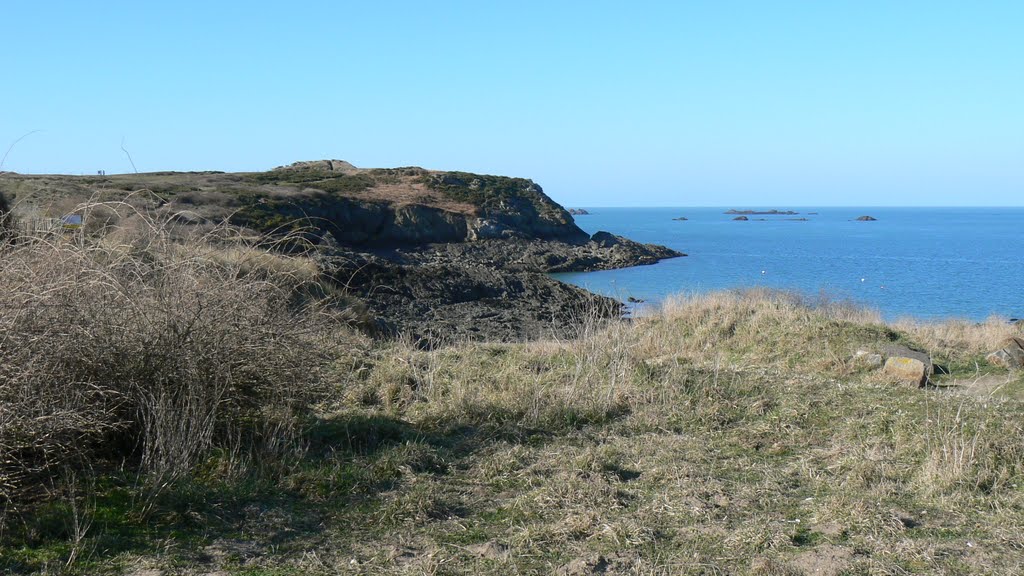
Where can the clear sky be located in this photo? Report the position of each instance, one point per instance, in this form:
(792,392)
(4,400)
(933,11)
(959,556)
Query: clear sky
(738,103)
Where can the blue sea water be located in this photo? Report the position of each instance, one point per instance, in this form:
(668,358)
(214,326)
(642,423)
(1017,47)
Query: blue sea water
(921,262)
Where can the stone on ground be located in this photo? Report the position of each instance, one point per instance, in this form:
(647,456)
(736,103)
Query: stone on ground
(1010,356)
(910,366)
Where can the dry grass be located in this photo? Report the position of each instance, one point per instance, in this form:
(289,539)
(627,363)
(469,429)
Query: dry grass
(725,434)
(131,345)
(959,339)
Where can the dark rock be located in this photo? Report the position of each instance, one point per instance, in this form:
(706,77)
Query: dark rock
(681,219)
(523,255)
(741,218)
(578,212)
(865,219)
(494,290)
(605,239)
(449,299)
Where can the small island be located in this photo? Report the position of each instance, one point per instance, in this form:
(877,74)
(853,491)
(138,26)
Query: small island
(578,212)
(681,219)
(865,219)
(762,212)
(741,219)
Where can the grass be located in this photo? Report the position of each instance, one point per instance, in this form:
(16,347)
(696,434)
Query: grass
(725,433)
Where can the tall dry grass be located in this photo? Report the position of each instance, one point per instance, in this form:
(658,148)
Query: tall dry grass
(959,339)
(759,328)
(130,345)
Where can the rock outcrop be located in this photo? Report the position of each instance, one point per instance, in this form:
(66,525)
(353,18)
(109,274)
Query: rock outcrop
(1010,356)
(865,219)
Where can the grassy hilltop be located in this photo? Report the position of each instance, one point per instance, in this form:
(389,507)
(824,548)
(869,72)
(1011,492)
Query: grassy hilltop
(201,404)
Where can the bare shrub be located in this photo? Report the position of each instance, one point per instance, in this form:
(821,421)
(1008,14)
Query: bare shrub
(6,219)
(134,346)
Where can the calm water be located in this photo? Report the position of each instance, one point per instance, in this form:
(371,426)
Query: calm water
(924,262)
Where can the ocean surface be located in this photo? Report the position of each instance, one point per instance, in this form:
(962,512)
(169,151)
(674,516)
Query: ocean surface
(924,262)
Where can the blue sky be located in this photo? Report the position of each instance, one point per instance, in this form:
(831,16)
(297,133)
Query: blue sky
(602,103)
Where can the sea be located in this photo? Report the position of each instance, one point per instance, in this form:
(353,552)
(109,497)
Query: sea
(927,263)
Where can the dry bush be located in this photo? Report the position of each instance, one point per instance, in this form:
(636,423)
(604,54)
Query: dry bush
(6,218)
(135,346)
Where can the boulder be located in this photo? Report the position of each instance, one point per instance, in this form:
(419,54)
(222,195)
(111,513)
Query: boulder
(909,370)
(606,239)
(910,366)
(1010,356)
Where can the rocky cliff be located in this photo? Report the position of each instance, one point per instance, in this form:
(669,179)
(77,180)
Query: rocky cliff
(432,255)
(402,206)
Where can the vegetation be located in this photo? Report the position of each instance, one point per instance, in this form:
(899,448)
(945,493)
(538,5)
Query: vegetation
(340,183)
(185,407)
(490,192)
(129,351)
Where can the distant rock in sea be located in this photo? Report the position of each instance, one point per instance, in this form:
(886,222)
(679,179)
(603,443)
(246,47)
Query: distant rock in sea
(762,212)
(578,212)
(866,219)
(741,218)
(681,218)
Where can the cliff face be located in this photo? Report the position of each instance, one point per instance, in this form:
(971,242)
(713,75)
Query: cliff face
(406,206)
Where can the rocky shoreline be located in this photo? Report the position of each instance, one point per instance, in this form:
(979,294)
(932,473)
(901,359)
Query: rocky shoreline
(495,290)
